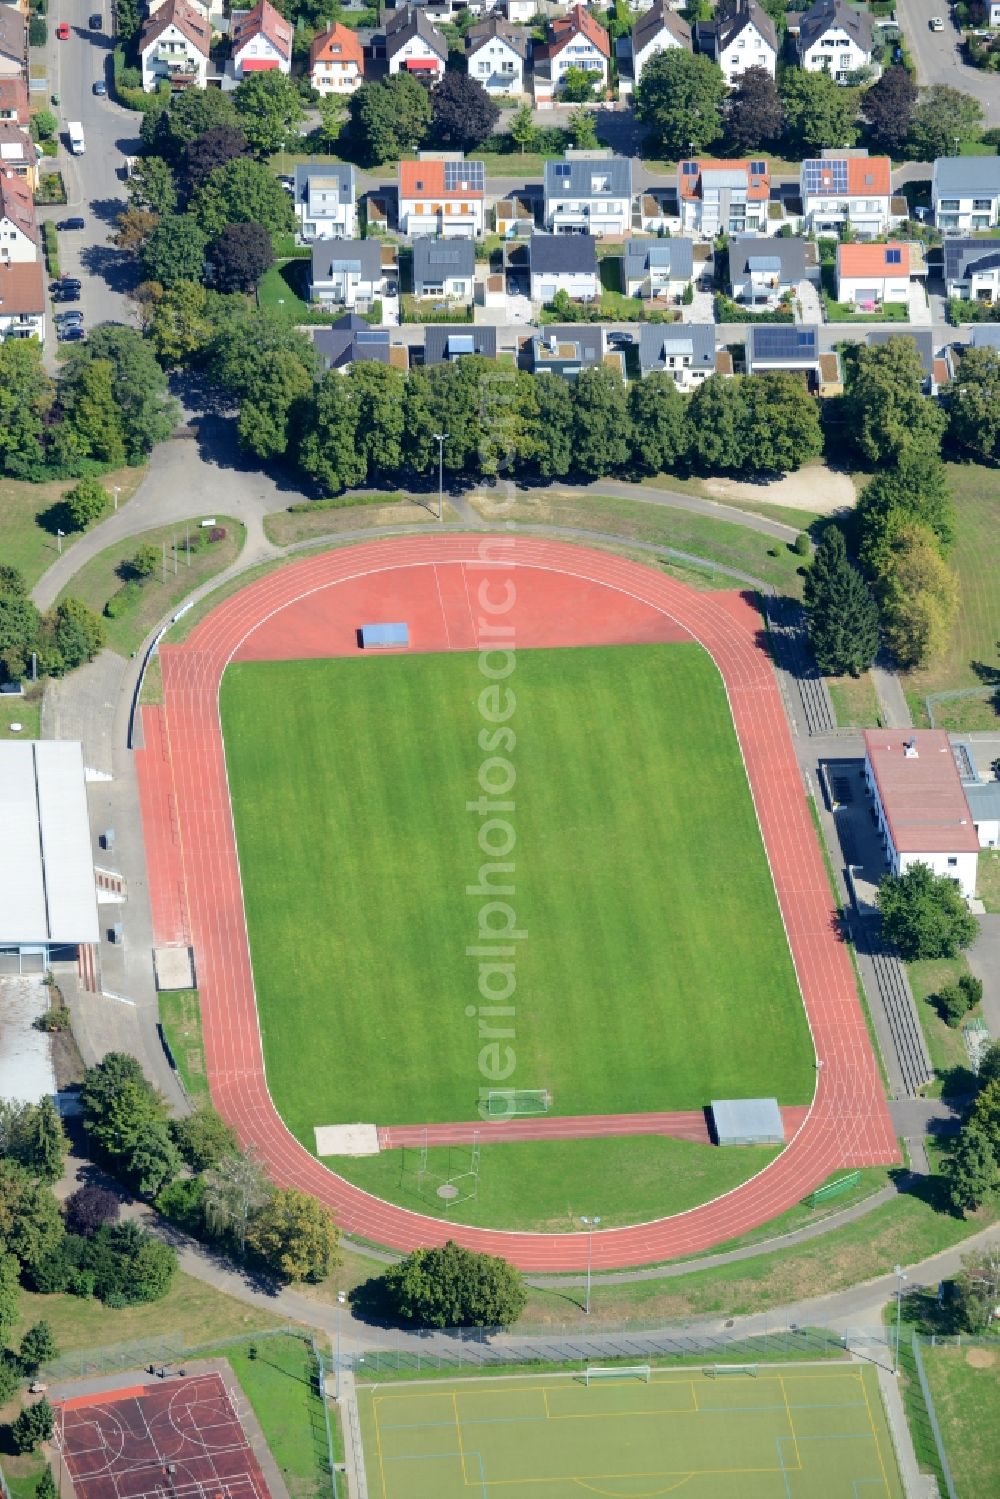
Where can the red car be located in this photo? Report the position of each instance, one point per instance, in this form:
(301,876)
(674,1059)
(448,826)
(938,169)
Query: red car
(62,31)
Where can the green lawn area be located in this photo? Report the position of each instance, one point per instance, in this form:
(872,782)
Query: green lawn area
(540,1186)
(285,527)
(25,710)
(283,286)
(280,1382)
(965,1387)
(816,1431)
(846,312)
(181,1021)
(718,541)
(947,1049)
(28,533)
(977,496)
(362,841)
(855,701)
(98,579)
(988,878)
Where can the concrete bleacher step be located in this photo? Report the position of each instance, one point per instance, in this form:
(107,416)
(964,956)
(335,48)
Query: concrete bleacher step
(904,1022)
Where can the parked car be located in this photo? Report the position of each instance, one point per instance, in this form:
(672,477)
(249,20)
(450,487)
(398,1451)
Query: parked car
(62,31)
(72,223)
(391,289)
(66,294)
(100,88)
(621,340)
(65,320)
(936,23)
(96,22)
(70,335)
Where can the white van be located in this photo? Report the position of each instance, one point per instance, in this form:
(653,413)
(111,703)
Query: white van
(77,144)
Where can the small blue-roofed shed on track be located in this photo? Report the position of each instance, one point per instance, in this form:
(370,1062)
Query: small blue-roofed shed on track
(747,1121)
(384,637)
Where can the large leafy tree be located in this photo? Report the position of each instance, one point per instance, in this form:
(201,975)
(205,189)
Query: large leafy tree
(272,397)
(30,1224)
(76,634)
(754,117)
(924,915)
(942,120)
(714,425)
(240,256)
(462,112)
(657,422)
(243,192)
(191,113)
(600,422)
(887,108)
(32,1134)
(180,325)
(90,1208)
(25,397)
(91,409)
(779,424)
(843,619)
(680,98)
(295,1236)
(390,118)
(885,409)
(146,409)
(270,111)
(974,403)
(454,1287)
(554,444)
(915,489)
(977,1288)
(918,595)
(88,499)
(329,447)
(236,1190)
(219,145)
(38,1347)
(818,111)
(175,251)
(380,395)
(972,1169)
(204,1137)
(153,186)
(20,624)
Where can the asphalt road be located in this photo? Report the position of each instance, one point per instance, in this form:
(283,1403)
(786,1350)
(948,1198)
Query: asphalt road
(938,55)
(94,185)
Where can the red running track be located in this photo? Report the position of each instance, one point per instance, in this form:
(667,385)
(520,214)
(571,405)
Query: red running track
(685,1124)
(565,595)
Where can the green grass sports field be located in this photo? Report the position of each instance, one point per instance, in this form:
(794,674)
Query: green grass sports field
(792,1432)
(654,973)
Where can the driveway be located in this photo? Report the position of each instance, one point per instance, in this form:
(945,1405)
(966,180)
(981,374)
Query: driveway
(938,57)
(920,309)
(808,307)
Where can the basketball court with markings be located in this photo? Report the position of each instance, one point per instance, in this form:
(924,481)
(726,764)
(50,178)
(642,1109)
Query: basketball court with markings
(771,1432)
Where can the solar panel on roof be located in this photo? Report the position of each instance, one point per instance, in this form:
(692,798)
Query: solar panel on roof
(758,168)
(689,168)
(893,257)
(777,342)
(562,169)
(764,263)
(463,174)
(825,176)
(461,343)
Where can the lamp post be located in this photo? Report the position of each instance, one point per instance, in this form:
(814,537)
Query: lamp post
(59,537)
(116,490)
(900,1277)
(441,438)
(591,1224)
(341,1298)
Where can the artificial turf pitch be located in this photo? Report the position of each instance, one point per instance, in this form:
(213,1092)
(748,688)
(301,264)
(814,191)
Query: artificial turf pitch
(654,973)
(793,1432)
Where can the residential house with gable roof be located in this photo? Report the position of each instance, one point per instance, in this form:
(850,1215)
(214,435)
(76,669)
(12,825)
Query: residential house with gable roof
(563,263)
(972,269)
(835,37)
(324,195)
(352,340)
(965,193)
(659,29)
(742,36)
(174,46)
(565,350)
(657,268)
(13,43)
(869,275)
(762,275)
(497,56)
(442,195)
(414,45)
(22,300)
(684,351)
(446,343)
(14,101)
(19,237)
(336,61)
(576,40)
(444,268)
(723,197)
(847,187)
(588,192)
(261,41)
(347,273)
(17,153)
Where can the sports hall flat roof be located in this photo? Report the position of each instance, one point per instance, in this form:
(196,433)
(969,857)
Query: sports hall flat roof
(47,889)
(920,790)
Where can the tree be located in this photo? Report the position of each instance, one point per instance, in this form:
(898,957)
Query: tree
(32,1134)
(843,618)
(243,192)
(714,441)
(134,227)
(754,117)
(191,113)
(240,256)
(989,1065)
(956,1000)
(152,185)
(30,1223)
(915,489)
(885,409)
(25,398)
(600,422)
(462,112)
(454,1287)
(924,915)
(974,403)
(657,422)
(235,1191)
(45,1488)
(918,595)
(778,428)
(130,1265)
(818,111)
(128,19)
(270,111)
(77,634)
(295,1236)
(887,108)
(154,1160)
(87,500)
(206,153)
(680,98)
(38,1347)
(175,251)
(977,1289)
(146,411)
(33,1426)
(522,128)
(579,85)
(942,119)
(270,402)
(379,392)
(91,409)
(390,118)
(117,1100)
(332,113)
(90,1208)
(971,1171)
(553,450)
(180,325)
(204,1137)
(582,129)
(19,624)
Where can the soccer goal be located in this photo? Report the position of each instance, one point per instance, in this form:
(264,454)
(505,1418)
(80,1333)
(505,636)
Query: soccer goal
(721,1371)
(617,1371)
(505,1103)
